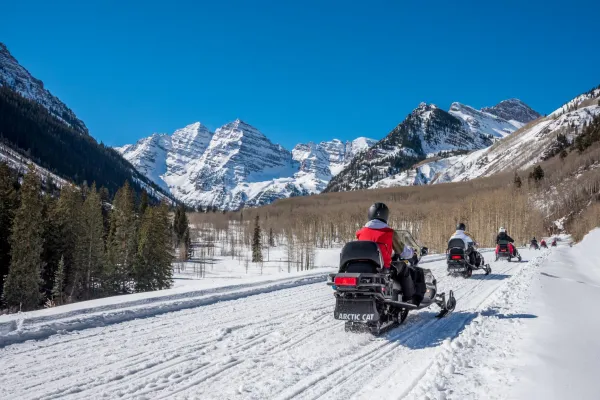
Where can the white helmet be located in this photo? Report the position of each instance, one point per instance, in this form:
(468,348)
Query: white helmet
(502,230)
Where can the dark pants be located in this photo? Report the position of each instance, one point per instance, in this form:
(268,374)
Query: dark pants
(474,257)
(411,280)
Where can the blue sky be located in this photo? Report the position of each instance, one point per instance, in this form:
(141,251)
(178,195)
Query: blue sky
(298,70)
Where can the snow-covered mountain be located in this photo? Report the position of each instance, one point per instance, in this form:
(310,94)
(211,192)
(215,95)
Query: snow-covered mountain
(513,110)
(237,165)
(426,133)
(524,148)
(327,159)
(15,76)
(479,122)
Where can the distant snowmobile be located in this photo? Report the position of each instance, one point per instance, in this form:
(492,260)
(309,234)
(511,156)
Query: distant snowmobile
(543,244)
(506,250)
(534,244)
(458,259)
(367,299)
(554,244)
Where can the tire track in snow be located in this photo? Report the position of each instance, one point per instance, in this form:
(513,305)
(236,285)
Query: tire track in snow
(267,342)
(337,376)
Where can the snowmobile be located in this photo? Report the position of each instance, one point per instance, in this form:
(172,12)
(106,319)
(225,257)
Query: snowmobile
(458,259)
(368,299)
(503,251)
(534,245)
(554,244)
(543,244)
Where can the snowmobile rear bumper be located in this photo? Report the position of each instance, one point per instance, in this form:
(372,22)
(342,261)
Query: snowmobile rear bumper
(356,310)
(457,267)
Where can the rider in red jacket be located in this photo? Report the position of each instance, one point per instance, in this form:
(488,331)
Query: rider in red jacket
(378,231)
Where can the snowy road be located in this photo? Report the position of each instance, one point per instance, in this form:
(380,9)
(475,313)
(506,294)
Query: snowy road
(282,344)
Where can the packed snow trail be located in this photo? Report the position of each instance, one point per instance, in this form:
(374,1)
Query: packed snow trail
(282,344)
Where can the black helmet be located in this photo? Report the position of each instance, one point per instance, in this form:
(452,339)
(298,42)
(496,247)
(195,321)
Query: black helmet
(461,227)
(379,211)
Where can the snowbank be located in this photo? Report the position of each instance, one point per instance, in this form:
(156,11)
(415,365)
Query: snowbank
(561,352)
(40,324)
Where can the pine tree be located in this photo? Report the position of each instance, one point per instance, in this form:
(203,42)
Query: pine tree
(187,244)
(256,242)
(59,281)
(143,202)
(271,238)
(22,285)
(153,270)
(121,244)
(8,205)
(164,259)
(180,224)
(537,174)
(62,232)
(90,244)
(563,154)
(144,266)
(517,181)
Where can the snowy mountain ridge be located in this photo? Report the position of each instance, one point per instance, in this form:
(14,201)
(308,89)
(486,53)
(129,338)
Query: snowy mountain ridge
(237,165)
(16,77)
(428,132)
(522,149)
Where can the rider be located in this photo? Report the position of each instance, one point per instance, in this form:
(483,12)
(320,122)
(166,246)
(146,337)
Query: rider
(378,231)
(503,236)
(467,238)
(534,242)
(543,243)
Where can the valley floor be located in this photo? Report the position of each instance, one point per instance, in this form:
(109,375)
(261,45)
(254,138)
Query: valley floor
(511,336)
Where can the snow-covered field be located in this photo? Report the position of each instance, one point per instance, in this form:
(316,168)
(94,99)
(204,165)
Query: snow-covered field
(274,336)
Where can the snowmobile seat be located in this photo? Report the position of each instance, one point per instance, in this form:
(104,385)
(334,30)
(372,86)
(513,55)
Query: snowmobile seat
(456,242)
(360,256)
(503,242)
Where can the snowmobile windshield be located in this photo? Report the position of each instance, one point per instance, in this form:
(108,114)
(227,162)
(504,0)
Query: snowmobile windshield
(408,239)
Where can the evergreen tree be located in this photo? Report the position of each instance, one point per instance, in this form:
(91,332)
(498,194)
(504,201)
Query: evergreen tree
(563,154)
(153,270)
(121,245)
(180,224)
(144,266)
(59,281)
(63,229)
(537,174)
(271,238)
(105,200)
(143,202)
(187,244)
(164,259)
(90,244)
(256,242)
(8,205)
(517,181)
(22,285)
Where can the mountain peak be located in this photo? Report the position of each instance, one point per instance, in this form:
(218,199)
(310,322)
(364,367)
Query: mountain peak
(17,78)
(513,110)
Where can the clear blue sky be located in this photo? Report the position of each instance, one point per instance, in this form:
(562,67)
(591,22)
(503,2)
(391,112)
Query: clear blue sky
(298,70)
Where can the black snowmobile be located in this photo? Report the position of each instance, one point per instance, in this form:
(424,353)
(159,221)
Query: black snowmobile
(368,299)
(459,262)
(534,245)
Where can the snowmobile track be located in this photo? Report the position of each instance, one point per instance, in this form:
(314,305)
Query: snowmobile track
(280,344)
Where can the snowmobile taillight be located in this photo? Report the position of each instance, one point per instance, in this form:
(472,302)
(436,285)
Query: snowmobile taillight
(456,257)
(345,281)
